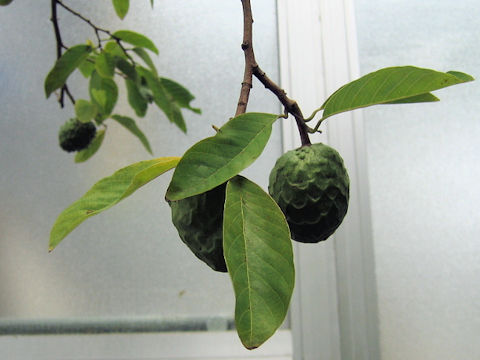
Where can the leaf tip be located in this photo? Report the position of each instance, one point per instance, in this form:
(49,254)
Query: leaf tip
(464,77)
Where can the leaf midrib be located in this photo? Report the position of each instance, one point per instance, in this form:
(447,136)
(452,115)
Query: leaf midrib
(244,149)
(249,287)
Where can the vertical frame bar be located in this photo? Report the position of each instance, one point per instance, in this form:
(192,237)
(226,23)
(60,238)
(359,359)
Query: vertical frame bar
(334,311)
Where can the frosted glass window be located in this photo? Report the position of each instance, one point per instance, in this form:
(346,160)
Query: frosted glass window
(423,170)
(127,263)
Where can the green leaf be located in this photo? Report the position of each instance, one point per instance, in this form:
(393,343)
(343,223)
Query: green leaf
(85,110)
(391,85)
(179,94)
(428,97)
(87,66)
(64,66)
(464,77)
(142,54)
(7,2)
(162,99)
(216,159)
(108,192)
(121,7)
(105,65)
(125,67)
(103,93)
(85,154)
(135,98)
(259,256)
(130,125)
(136,39)
(114,49)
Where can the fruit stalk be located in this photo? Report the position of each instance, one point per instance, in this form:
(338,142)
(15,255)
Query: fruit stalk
(291,106)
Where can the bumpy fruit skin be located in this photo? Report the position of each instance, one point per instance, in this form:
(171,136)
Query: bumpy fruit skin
(5,2)
(311,186)
(75,135)
(199,222)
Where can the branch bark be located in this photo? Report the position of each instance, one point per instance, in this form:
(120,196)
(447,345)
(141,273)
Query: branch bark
(247,46)
(59,43)
(252,69)
(291,106)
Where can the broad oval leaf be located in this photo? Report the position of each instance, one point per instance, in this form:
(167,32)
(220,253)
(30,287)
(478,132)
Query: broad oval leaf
(85,110)
(179,94)
(121,7)
(259,257)
(162,98)
(85,154)
(142,54)
(136,39)
(106,193)
(64,66)
(87,66)
(391,85)
(131,126)
(216,159)
(104,93)
(125,67)
(114,49)
(105,65)
(135,98)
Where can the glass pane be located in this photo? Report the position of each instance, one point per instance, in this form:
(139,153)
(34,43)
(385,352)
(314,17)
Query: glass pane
(423,169)
(129,261)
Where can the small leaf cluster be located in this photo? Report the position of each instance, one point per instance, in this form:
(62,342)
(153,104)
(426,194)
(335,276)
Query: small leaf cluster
(121,7)
(124,57)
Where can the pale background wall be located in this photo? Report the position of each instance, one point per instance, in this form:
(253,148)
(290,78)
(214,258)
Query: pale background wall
(424,171)
(129,260)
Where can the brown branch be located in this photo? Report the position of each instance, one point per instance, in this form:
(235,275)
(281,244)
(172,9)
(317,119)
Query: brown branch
(59,44)
(247,46)
(252,69)
(80,16)
(291,106)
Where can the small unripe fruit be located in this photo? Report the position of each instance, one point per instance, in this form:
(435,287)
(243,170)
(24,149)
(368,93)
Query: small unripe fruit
(5,2)
(199,222)
(75,135)
(311,186)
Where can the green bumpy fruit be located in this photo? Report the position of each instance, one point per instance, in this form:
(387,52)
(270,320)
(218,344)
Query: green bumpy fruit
(75,135)
(199,222)
(5,2)
(311,186)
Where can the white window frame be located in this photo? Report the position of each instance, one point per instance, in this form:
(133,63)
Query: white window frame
(333,311)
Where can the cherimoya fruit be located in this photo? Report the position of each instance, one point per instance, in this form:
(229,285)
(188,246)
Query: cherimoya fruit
(311,186)
(199,222)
